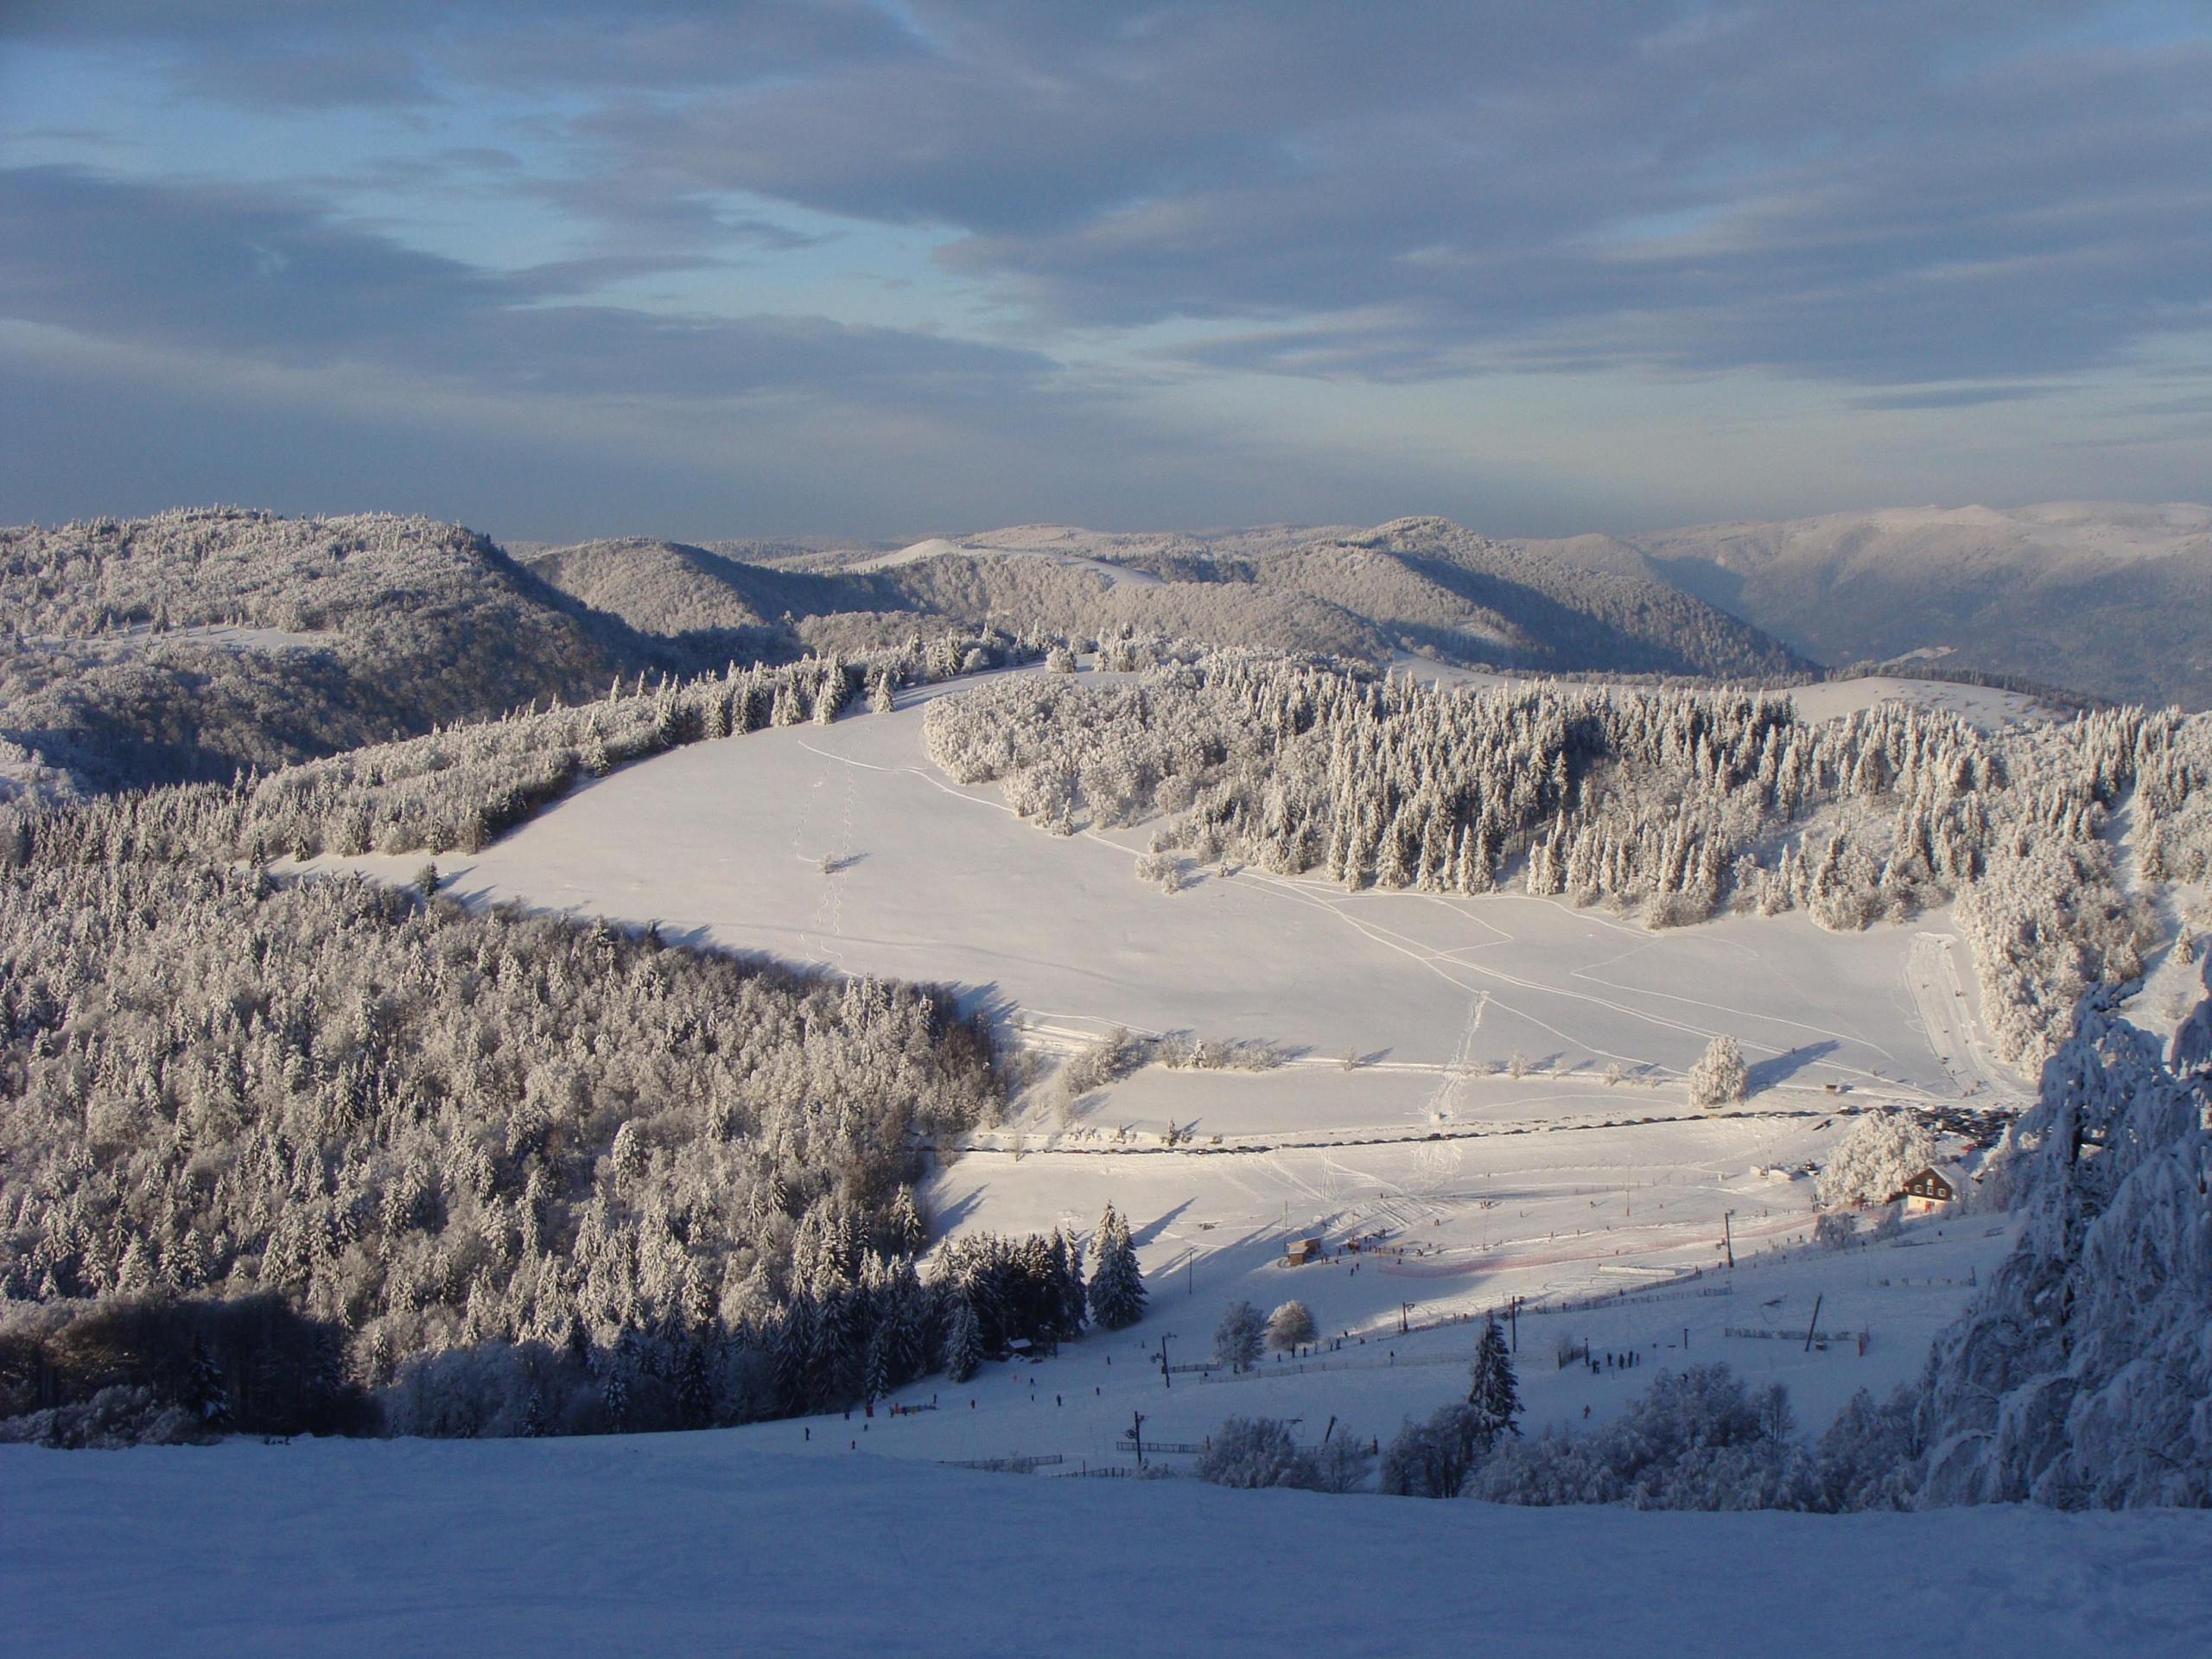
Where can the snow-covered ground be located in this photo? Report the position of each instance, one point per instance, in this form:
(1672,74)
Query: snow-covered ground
(1605,1203)
(705,1543)
(1554,1184)
(725,844)
(1980,705)
(1079,1405)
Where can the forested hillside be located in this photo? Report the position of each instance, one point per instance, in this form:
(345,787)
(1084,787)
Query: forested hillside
(500,1174)
(1432,583)
(1671,804)
(196,643)
(432,1130)
(1416,584)
(667,588)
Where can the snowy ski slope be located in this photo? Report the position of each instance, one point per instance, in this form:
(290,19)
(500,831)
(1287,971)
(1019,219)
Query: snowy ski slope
(1588,1171)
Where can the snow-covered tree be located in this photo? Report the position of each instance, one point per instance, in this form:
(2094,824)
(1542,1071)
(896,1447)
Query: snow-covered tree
(1256,1451)
(1870,1165)
(1291,1325)
(1493,1391)
(1719,1078)
(1117,1292)
(1236,1339)
(1695,1439)
(207,1393)
(1434,1458)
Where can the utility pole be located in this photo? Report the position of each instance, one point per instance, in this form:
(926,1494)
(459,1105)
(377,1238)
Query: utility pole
(1404,1308)
(1136,1435)
(1728,1238)
(1166,1379)
(1513,1319)
(1815,1323)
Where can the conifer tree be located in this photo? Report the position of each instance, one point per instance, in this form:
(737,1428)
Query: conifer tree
(695,1391)
(963,1341)
(875,1369)
(207,1396)
(1721,1076)
(1116,1284)
(1494,1393)
(1067,1282)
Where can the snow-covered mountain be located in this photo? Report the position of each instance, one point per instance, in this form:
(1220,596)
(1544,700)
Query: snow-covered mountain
(2101,597)
(198,642)
(1423,585)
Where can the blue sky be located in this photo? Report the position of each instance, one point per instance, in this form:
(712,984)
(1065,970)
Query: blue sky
(885,267)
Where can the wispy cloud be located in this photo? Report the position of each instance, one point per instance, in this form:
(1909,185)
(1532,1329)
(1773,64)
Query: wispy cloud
(260,276)
(1879,210)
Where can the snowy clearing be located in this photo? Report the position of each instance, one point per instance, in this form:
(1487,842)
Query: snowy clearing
(1077,1405)
(1561,1182)
(699,1543)
(725,844)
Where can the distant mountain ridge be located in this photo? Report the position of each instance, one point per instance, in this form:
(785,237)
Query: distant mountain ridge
(197,642)
(1424,585)
(2108,598)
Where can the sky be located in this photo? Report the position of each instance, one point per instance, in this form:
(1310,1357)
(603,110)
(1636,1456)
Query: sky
(888,267)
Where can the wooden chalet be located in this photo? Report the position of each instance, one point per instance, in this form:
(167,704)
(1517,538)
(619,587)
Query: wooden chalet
(1936,1187)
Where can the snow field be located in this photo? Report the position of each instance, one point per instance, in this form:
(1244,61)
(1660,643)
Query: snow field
(1554,1185)
(723,843)
(1078,1404)
(703,1543)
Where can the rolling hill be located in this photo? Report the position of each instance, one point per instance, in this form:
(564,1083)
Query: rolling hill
(1421,585)
(2104,598)
(197,642)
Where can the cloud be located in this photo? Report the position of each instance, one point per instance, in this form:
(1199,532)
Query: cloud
(275,279)
(1886,194)
(252,54)
(1198,242)
(1889,192)
(1955,397)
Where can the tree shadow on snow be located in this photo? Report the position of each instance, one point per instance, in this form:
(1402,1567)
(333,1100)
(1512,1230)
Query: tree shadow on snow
(1152,1230)
(944,1219)
(1781,1067)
